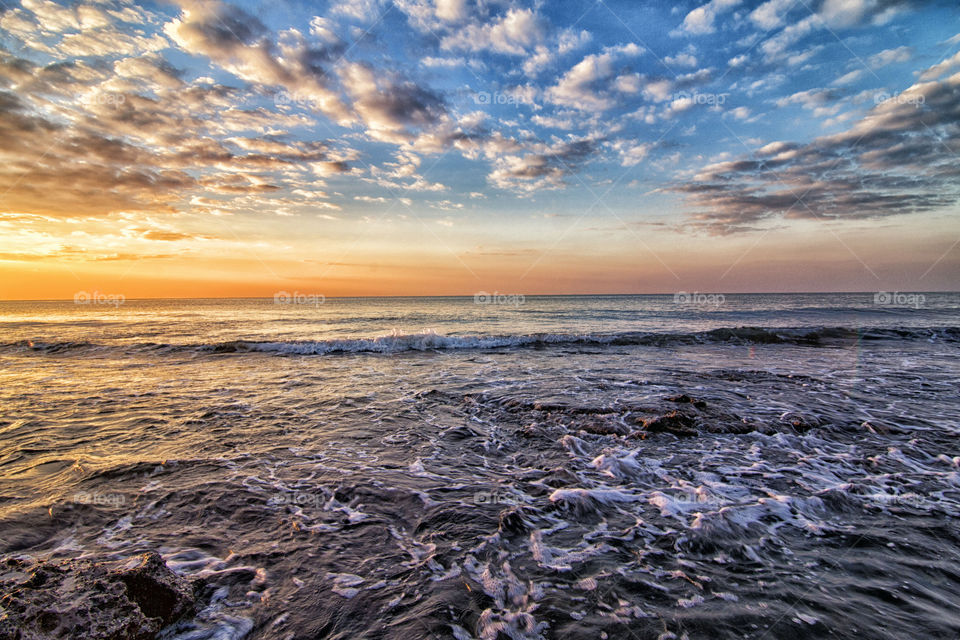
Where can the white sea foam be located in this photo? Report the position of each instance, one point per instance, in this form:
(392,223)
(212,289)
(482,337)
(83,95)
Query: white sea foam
(345,584)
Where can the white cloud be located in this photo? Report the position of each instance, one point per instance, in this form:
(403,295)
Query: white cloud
(514,33)
(940,68)
(569,40)
(848,78)
(323,28)
(701,20)
(363,10)
(770,15)
(541,57)
(832,14)
(451,10)
(822,102)
(632,153)
(890,56)
(447,63)
(592,84)
(682,60)
(658,90)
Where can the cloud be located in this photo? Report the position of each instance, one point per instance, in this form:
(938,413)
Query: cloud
(597,82)
(631,152)
(242,45)
(515,33)
(451,10)
(890,56)
(546,168)
(544,55)
(553,122)
(847,13)
(832,14)
(700,21)
(361,10)
(681,60)
(941,68)
(770,15)
(777,47)
(130,135)
(435,62)
(899,158)
(821,102)
(848,78)
(389,106)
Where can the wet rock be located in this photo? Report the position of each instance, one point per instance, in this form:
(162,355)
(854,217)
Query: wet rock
(675,422)
(156,590)
(461,432)
(800,423)
(604,426)
(881,428)
(531,431)
(685,399)
(512,521)
(559,477)
(86,599)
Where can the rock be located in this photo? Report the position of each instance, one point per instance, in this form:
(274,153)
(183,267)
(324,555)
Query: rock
(881,428)
(460,432)
(156,590)
(685,399)
(512,521)
(86,599)
(603,426)
(679,424)
(800,423)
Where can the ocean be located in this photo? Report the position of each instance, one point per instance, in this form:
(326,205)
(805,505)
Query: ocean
(500,466)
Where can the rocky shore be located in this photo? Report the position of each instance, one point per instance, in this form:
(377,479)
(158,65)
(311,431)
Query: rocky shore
(91,599)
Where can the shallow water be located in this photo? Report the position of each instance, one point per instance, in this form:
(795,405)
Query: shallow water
(491,478)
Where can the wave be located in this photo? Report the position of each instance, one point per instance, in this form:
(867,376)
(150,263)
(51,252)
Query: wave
(431,341)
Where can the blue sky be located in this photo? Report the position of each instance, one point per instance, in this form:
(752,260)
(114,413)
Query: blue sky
(510,143)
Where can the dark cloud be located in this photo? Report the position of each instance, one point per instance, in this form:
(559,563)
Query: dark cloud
(223,25)
(545,168)
(240,43)
(392,108)
(900,158)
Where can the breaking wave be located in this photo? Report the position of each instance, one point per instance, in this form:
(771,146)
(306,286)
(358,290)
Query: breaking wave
(432,341)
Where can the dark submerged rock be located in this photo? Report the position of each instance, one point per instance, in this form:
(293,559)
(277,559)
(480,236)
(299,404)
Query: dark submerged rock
(675,422)
(685,399)
(85,599)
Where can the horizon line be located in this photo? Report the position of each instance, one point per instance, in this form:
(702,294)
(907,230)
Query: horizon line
(471,295)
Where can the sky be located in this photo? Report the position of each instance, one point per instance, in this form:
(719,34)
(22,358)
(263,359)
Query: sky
(447,147)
